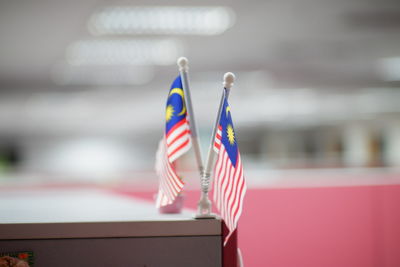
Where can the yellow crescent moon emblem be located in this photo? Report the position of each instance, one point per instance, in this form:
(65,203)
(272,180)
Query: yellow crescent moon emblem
(228,109)
(179,91)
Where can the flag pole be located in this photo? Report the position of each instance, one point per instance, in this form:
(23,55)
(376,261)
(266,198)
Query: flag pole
(183,71)
(204,205)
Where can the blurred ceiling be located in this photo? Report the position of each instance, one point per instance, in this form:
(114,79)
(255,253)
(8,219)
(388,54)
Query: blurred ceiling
(299,43)
(276,44)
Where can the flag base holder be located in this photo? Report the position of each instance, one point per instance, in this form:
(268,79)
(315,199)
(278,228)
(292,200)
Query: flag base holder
(204,208)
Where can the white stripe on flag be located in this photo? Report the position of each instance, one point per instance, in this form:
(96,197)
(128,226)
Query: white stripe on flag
(217,143)
(178,148)
(229,189)
(178,141)
(176,132)
(170,183)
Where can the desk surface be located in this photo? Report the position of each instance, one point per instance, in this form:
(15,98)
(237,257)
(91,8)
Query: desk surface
(85,213)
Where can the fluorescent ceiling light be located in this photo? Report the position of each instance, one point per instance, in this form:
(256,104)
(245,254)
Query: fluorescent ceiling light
(161,20)
(64,74)
(389,69)
(124,52)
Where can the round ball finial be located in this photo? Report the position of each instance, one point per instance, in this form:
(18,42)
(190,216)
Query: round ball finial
(183,63)
(229,79)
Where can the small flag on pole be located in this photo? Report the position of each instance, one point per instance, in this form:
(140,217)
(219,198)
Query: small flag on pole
(175,143)
(229,182)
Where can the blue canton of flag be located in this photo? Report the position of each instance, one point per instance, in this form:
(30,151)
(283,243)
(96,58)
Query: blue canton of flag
(175,143)
(229,182)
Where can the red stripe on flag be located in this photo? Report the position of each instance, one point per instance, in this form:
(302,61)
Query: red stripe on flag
(170,183)
(178,148)
(183,121)
(185,132)
(229,188)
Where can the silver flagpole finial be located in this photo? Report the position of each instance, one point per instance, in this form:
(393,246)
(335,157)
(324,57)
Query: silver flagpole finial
(229,79)
(183,64)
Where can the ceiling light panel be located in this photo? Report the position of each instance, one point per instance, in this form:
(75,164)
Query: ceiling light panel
(161,20)
(124,52)
(64,74)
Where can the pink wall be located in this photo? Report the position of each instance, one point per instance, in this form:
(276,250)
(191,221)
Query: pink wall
(318,227)
(353,226)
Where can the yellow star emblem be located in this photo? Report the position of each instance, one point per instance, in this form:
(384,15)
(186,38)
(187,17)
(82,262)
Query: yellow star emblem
(231,134)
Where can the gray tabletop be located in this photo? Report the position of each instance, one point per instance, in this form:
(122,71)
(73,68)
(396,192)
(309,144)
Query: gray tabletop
(83,213)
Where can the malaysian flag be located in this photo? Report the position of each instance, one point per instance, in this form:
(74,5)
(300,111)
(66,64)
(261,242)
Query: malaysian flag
(229,182)
(175,143)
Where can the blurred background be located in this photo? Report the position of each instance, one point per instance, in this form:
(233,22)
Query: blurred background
(83,86)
